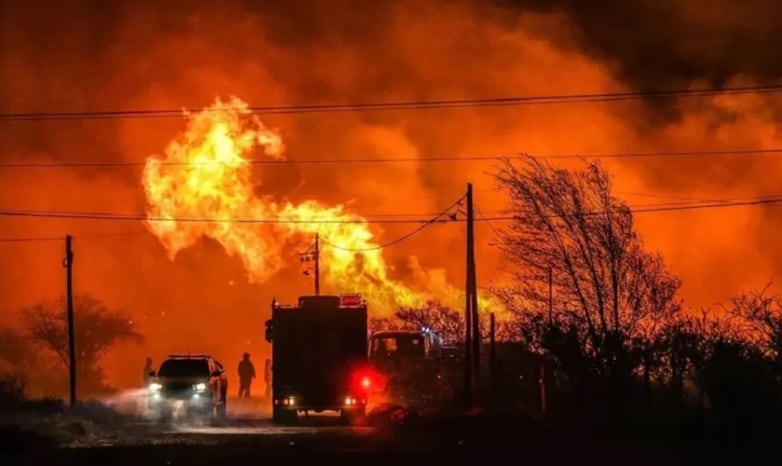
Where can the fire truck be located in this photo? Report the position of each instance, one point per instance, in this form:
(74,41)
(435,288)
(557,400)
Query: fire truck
(319,357)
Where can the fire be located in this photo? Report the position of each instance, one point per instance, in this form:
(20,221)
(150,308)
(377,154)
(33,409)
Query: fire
(202,187)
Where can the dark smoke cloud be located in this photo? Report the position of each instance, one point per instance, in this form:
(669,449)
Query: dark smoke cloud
(659,43)
(125,54)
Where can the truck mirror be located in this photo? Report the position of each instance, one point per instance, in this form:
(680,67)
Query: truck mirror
(151,373)
(269,331)
(216,374)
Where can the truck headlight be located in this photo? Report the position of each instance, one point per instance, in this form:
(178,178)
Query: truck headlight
(199,387)
(154,387)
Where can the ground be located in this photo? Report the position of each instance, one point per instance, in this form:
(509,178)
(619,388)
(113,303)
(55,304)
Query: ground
(248,436)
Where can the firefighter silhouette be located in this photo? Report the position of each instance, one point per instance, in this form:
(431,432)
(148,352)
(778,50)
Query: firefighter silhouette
(246,376)
(147,369)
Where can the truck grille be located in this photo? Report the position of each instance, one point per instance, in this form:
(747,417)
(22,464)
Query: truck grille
(175,390)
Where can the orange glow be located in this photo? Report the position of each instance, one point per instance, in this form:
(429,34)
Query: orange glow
(206,174)
(363,52)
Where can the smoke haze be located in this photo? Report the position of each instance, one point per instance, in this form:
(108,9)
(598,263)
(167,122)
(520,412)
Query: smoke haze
(93,55)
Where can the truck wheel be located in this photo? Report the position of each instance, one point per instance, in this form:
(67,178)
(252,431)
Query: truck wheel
(351,417)
(284,416)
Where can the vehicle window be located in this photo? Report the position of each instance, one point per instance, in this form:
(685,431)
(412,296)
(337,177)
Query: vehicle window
(402,345)
(412,346)
(389,344)
(184,368)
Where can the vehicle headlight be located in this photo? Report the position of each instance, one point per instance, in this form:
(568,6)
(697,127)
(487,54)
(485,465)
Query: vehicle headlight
(154,387)
(199,387)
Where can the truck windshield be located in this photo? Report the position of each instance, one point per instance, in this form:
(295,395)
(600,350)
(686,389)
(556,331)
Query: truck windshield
(184,368)
(398,346)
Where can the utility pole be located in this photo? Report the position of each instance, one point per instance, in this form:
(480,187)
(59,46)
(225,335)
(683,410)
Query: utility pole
(313,255)
(468,327)
(472,332)
(68,264)
(551,327)
(317,264)
(492,353)
(550,297)
(472,293)
(542,387)
(467,345)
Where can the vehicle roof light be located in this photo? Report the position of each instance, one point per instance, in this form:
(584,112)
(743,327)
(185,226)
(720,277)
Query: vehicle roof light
(351,300)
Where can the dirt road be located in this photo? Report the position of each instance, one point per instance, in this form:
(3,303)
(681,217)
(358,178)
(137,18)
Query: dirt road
(249,437)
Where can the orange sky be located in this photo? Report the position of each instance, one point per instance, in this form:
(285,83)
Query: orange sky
(131,58)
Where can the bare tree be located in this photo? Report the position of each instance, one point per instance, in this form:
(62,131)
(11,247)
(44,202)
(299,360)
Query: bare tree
(97,330)
(759,315)
(759,312)
(603,279)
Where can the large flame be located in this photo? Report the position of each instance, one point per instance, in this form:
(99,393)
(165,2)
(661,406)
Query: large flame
(202,186)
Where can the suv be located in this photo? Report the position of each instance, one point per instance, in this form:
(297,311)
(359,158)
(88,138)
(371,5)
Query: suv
(197,382)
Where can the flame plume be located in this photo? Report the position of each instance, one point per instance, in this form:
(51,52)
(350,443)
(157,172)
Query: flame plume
(206,174)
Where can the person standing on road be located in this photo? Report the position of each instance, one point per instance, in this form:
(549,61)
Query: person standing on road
(267,377)
(145,401)
(147,369)
(246,376)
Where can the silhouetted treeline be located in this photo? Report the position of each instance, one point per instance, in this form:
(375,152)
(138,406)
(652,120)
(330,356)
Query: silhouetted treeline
(34,360)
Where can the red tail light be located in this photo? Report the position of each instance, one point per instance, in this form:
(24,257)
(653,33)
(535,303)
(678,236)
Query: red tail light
(366,380)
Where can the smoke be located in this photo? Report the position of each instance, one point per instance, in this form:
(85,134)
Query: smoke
(130,55)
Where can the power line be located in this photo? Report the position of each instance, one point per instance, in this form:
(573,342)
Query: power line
(488,222)
(136,217)
(405,105)
(40,239)
(655,154)
(32,239)
(359,161)
(403,237)
(771,201)
(683,202)
(281,220)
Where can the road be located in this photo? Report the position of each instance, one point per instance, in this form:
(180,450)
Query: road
(250,437)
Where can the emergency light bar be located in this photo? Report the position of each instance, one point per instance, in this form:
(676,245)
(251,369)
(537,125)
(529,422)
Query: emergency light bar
(188,356)
(351,300)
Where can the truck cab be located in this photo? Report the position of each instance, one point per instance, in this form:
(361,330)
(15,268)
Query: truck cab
(409,364)
(398,345)
(319,356)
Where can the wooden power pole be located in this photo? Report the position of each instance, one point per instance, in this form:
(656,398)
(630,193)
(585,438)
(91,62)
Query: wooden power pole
(468,328)
(317,264)
(68,263)
(473,292)
(492,354)
(313,255)
(467,345)
(550,297)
